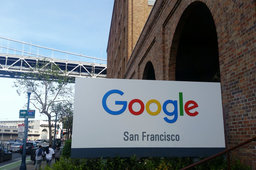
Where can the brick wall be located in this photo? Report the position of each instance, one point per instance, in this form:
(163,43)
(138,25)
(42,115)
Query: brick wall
(128,20)
(235,22)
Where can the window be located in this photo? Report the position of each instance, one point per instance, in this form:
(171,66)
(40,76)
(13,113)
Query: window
(151,2)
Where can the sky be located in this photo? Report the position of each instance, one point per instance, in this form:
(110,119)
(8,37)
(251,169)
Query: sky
(78,26)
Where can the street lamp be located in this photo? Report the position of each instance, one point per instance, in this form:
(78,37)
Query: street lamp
(23,162)
(54,141)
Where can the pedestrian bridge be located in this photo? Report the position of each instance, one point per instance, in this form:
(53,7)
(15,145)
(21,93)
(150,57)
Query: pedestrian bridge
(18,58)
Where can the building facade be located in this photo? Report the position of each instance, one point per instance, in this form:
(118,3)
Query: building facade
(126,26)
(37,129)
(195,40)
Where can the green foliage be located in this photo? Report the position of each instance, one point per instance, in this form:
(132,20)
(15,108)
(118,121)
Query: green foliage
(65,115)
(67,149)
(134,163)
(237,165)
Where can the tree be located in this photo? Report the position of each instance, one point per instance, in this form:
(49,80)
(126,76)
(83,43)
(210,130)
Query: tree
(48,88)
(65,115)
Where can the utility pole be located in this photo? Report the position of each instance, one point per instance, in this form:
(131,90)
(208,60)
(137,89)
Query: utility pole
(23,162)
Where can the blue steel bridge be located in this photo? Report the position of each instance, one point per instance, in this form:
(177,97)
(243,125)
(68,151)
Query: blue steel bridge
(18,58)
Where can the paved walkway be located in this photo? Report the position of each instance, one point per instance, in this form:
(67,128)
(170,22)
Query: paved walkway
(31,166)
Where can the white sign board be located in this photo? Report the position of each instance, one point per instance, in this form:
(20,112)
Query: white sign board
(115,117)
(21,128)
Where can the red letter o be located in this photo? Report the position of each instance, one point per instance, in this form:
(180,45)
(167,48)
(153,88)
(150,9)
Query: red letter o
(141,107)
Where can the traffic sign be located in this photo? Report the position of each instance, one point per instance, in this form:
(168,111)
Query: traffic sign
(30,113)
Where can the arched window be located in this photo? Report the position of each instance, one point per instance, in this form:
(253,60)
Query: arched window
(149,72)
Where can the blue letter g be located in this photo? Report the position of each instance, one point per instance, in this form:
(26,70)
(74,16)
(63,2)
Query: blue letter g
(104,102)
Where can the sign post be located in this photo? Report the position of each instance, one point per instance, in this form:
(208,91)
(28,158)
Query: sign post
(24,113)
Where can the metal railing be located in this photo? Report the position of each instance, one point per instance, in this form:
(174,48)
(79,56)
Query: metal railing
(11,46)
(219,154)
(18,57)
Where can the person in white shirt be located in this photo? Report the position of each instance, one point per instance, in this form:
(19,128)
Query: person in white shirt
(49,153)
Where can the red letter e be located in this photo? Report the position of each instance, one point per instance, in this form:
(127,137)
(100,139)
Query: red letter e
(189,106)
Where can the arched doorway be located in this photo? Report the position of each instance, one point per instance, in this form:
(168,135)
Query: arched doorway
(149,72)
(44,134)
(196,45)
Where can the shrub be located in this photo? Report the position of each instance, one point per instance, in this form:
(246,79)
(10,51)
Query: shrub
(67,149)
(134,163)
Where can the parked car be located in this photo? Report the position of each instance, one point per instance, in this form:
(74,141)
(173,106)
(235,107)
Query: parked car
(40,142)
(29,147)
(5,153)
(15,147)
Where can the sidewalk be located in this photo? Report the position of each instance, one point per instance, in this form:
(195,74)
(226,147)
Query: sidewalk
(30,165)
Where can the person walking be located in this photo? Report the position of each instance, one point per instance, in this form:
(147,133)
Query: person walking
(49,155)
(39,157)
(57,154)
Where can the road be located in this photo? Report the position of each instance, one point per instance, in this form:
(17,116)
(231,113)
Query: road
(15,157)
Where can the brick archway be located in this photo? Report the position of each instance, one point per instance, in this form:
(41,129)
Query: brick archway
(149,72)
(194,52)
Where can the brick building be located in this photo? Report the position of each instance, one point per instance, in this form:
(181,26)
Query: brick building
(126,26)
(189,40)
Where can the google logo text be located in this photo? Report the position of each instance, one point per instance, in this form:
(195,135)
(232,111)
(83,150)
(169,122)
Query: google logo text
(189,106)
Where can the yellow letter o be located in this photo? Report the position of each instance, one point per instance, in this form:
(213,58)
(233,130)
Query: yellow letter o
(158,107)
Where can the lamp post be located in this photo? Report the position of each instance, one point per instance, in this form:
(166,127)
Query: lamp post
(23,162)
(54,141)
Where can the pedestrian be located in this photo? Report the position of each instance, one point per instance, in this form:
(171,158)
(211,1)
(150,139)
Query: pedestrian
(57,154)
(49,155)
(39,157)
